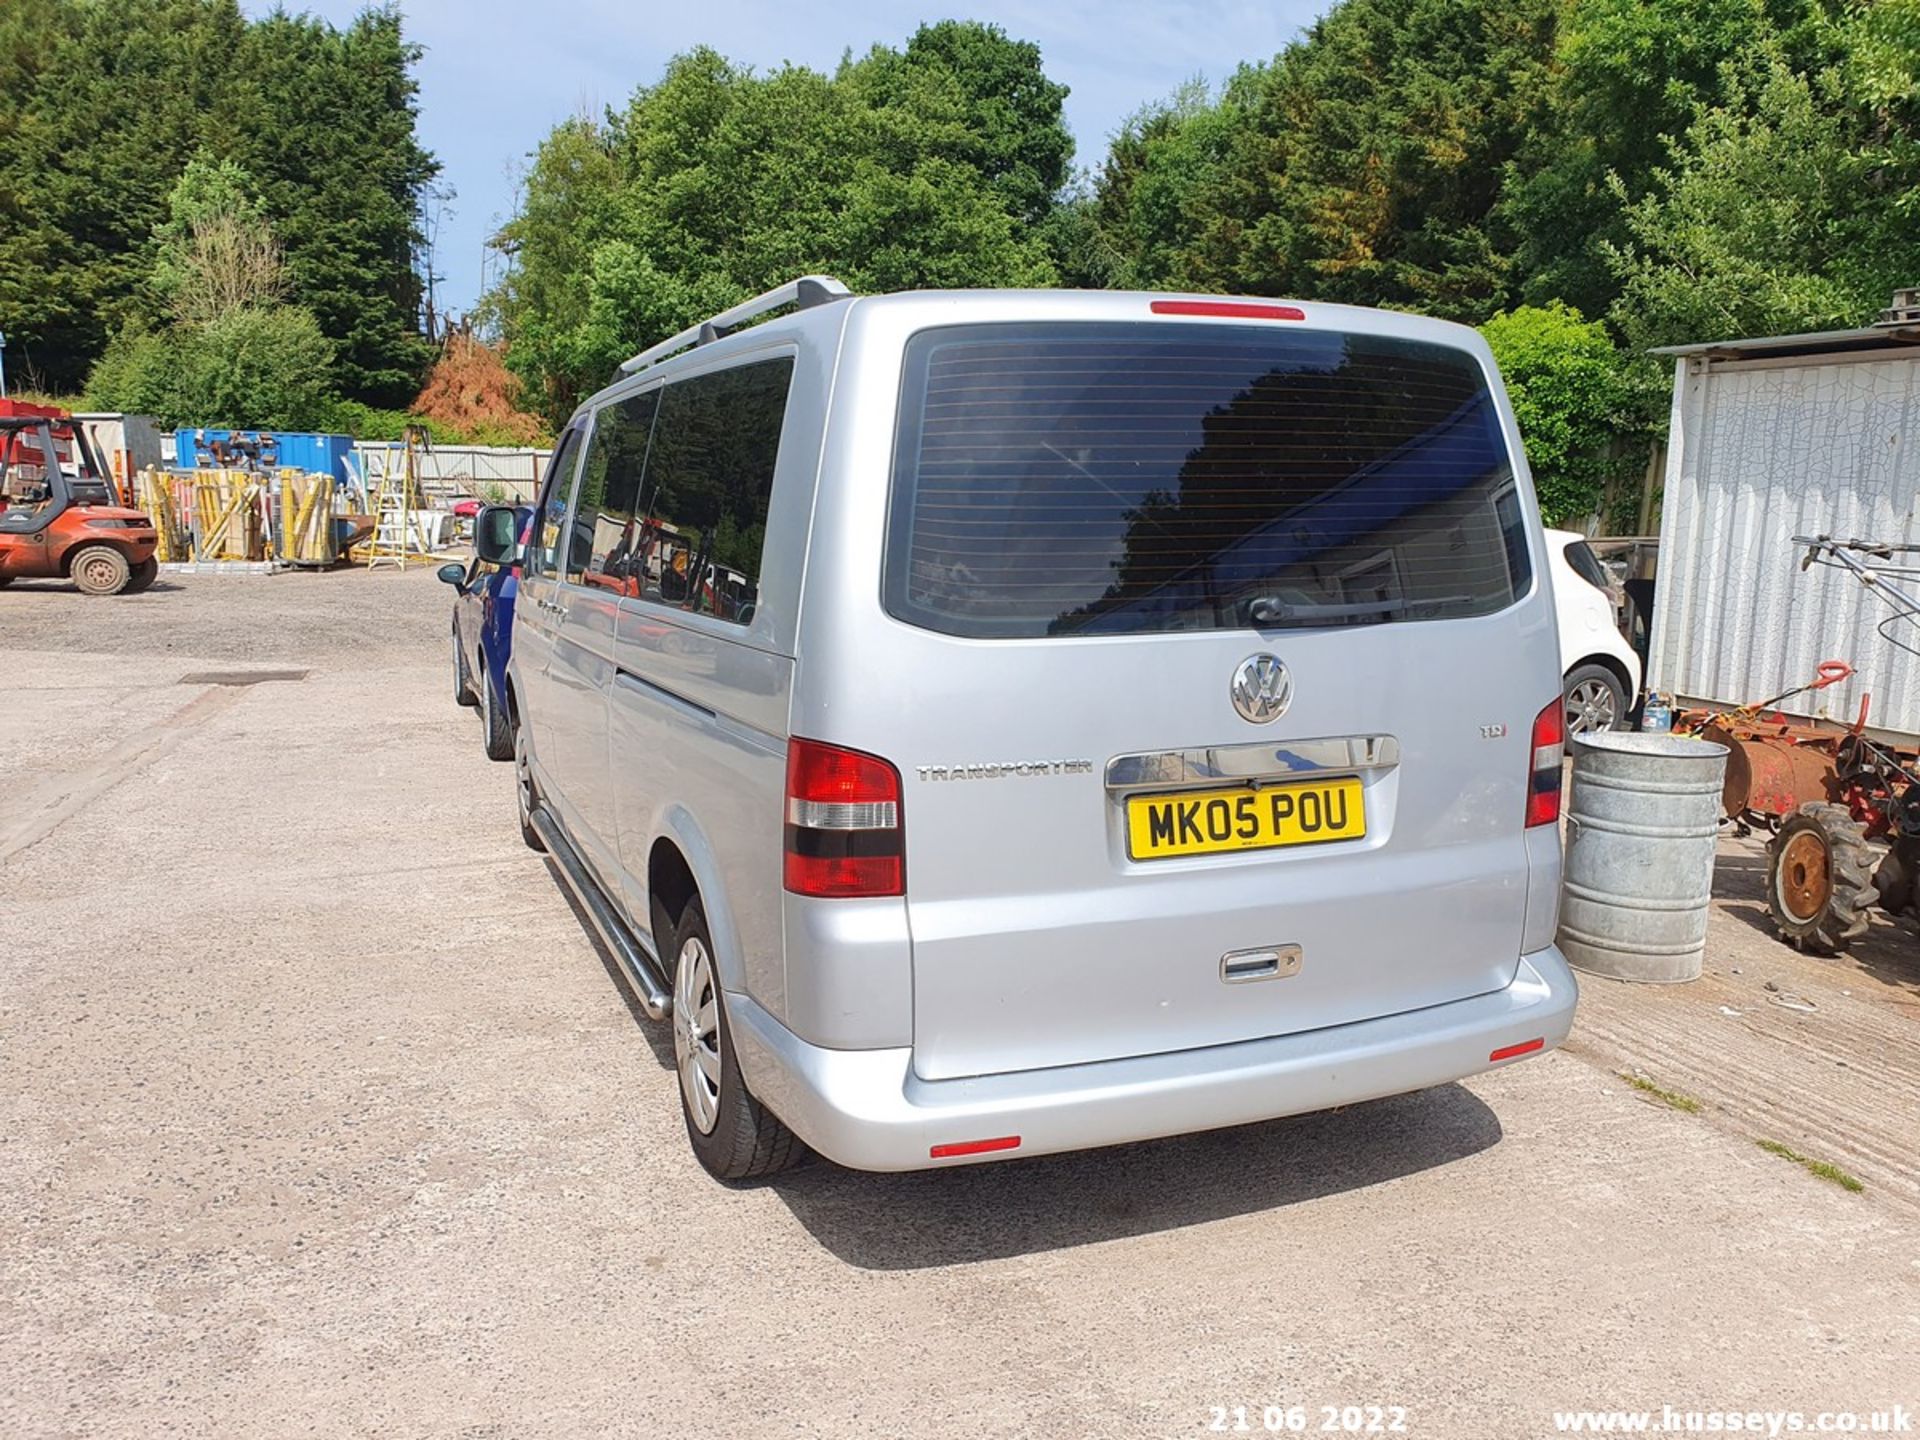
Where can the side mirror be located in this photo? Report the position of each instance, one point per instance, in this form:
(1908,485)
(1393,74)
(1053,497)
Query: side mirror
(454,573)
(493,535)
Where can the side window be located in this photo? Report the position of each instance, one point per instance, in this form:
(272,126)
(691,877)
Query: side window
(703,508)
(550,515)
(605,529)
(1513,536)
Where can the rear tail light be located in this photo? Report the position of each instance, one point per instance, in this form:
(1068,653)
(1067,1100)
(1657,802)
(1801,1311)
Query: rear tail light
(1549,748)
(843,823)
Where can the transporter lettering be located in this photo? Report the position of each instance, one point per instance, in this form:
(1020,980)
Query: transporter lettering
(1020,768)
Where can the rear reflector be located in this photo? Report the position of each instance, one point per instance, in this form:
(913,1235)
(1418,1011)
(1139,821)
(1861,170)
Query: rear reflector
(843,836)
(974,1147)
(1231,309)
(1525,1047)
(1543,781)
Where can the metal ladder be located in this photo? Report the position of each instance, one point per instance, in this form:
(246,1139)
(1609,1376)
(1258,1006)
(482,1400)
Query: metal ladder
(391,543)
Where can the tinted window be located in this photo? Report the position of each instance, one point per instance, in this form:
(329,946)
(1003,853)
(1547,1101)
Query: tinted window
(1586,564)
(1513,532)
(702,520)
(603,523)
(1120,478)
(550,518)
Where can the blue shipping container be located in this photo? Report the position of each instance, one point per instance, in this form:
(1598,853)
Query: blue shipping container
(299,449)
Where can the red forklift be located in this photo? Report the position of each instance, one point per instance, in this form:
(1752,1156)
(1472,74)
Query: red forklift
(59,517)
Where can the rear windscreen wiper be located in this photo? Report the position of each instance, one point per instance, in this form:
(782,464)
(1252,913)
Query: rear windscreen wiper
(1272,610)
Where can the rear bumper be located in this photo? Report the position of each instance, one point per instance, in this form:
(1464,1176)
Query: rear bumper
(866,1109)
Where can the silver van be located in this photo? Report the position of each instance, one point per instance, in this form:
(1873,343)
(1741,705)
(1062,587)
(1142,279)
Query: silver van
(993,723)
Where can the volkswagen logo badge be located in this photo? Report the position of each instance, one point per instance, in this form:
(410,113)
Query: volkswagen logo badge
(1262,689)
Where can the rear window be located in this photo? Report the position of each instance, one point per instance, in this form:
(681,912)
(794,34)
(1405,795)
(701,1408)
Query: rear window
(1122,478)
(1586,564)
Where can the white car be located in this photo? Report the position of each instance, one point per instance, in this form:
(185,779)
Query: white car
(1602,671)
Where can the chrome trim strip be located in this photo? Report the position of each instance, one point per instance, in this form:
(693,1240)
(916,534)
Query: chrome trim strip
(624,676)
(1264,760)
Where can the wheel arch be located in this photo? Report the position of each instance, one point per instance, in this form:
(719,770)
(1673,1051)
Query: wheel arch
(680,865)
(74,546)
(1610,663)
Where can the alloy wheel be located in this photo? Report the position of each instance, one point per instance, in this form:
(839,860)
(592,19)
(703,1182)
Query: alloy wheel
(696,1034)
(522,776)
(1591,708)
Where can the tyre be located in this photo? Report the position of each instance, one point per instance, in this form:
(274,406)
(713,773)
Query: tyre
(142,575)
(525,796)
(1819,879)
(100,570)
(462,674)
(499,734)
(6,580)
(734,1136)
(1893,882)
(1596,700)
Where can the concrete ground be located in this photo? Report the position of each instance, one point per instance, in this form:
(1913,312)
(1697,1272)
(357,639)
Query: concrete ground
(320,1114)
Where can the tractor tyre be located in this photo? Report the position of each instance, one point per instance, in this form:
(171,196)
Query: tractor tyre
(1820,879)
(142,575)
(1893,882)
(100,570)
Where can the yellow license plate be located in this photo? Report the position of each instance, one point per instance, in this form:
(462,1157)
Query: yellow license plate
(1218,822)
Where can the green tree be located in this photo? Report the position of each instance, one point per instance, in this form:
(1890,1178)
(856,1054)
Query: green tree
(326,126)
(932,166)
(1627,78)
(990,95)
(1361,164)
(1149,206)
(103,103)
(106,102)
(216,251)
(1773,216)
(230,354)
(255,367)
(1573,399)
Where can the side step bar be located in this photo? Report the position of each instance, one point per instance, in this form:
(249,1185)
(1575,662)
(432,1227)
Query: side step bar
(656,998)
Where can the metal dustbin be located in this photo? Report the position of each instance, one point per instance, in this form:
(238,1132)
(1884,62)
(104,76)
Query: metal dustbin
(1641,823)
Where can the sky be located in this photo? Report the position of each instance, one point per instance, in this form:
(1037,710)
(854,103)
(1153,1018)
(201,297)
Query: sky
(499,74)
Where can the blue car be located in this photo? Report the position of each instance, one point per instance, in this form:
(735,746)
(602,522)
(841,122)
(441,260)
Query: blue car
(483,619)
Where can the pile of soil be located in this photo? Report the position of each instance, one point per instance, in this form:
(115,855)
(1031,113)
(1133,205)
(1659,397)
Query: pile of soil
(471,390)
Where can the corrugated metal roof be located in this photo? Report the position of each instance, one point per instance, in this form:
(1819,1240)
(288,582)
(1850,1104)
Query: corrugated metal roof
(1820,342)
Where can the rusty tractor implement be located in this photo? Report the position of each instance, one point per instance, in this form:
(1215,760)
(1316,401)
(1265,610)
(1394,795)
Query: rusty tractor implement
(1828,792)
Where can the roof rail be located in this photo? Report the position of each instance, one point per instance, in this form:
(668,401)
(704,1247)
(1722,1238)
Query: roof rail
(806,292)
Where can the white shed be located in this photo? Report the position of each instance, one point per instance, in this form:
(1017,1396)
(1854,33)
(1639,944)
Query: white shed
(1794,435)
